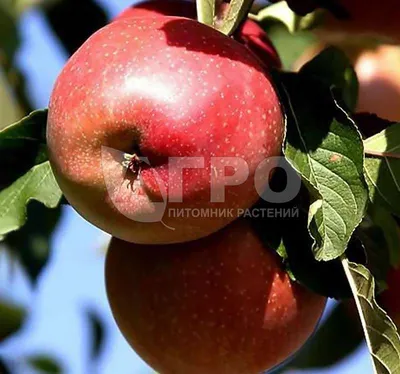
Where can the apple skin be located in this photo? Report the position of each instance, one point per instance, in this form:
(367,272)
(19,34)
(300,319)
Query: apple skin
(159,88)
(390,298)
(379,78)
(218,305)
(249,33)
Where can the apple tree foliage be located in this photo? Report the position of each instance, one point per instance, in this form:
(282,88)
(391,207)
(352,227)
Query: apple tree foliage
(341,244)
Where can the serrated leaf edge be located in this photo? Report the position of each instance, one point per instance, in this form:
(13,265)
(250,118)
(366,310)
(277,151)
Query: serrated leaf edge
(15,195)
(312,184)
(346,266)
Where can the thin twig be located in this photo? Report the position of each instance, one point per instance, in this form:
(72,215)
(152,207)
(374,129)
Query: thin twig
(383,154)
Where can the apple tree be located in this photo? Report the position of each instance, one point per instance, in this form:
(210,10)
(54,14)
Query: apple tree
(243,155)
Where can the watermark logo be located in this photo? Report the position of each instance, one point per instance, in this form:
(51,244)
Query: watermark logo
(232,213)
(162,192)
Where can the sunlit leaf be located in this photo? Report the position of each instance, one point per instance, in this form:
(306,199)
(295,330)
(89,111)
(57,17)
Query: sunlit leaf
(206,11)
(382,168)
(37,184)
(27,174)
(325,148)
(282,13)
(387,141)
(380,332)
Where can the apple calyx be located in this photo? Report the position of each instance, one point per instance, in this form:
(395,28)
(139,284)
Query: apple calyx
(133,164)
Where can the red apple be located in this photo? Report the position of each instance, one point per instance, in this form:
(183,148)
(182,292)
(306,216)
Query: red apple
(250,33)
(379,76)
(390,298)
(222,304)
(177,92)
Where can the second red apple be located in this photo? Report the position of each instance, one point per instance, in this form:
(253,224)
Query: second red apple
(219,305)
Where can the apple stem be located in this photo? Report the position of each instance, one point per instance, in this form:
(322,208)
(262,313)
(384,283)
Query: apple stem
(230,14)
(383,154)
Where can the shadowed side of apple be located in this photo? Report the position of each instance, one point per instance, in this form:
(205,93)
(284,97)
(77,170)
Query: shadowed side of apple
(218,305)
(249,33)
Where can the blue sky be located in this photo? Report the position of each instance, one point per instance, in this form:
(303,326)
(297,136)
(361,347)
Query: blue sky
(74,278)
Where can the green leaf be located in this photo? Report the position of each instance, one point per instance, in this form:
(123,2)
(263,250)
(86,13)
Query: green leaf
(325,148)
(282,13)
(377,249)
(32,243)
(390,230)
(383,178)
(23,5)
(380,332)
(37,184)
(290,47)
(335,69)
(9,109)
(45,364)
(97,329)
(9,35)
(387,141)
(12,318)
(382,168)
(284,229)
(338,337)
(236,12)
(22,146)
(27,176)
(206,11)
